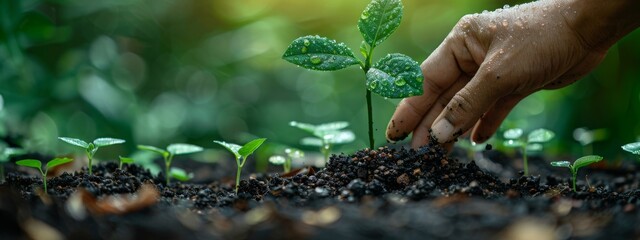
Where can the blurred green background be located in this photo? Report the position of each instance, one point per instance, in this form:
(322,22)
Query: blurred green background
(162,71)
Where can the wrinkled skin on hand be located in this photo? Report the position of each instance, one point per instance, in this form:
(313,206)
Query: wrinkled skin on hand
(487,64)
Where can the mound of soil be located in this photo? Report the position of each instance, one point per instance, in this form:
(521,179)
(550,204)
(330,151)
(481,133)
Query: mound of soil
(382,193)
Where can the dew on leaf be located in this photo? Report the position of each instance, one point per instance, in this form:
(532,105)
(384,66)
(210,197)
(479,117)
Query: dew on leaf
(306,42)
(400,82)
(304,49)
(316,60)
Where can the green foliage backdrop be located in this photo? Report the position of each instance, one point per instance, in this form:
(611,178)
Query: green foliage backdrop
(162,71)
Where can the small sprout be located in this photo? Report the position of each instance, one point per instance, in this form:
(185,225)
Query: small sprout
(5,154)
(286,161)
(125,160)
(394,76)
(533,142)
(241,153)
(581,162)
(38,165)
(326,135)
(180,174)
(92,148)
(172,150)
(633,148)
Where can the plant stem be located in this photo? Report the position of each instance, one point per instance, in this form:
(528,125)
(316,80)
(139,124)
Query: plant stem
(367,66)
(167,164)
(90,168)
(573,179)
(44,181)
(1,173)
(238,178)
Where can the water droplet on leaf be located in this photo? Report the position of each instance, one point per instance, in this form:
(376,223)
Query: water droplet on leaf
(304,49)
(306,42)
(400,82)
(315,60)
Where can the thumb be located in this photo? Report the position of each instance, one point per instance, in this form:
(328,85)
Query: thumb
(469,104)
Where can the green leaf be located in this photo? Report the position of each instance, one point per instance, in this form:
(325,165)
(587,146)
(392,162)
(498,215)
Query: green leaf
(251,147)
(30,163)
(57,162)
(101,142)
(586,160)
(183,148)
(534,147)
(395,76)
(513,143)
(319,53)
(309,141)
(75,141)
(180,174)
(340,137)
(379,20)
(328,128)
(277,160)
(294,153)
(233,148)
(304,126)
(540,135)
(513,133)
(126,160)
(153,149)
(561,164)
(632,148)
(363,49)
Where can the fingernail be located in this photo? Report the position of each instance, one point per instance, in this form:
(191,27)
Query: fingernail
(442,130)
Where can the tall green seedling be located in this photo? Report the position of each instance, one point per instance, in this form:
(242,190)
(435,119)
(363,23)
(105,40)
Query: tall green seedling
(92,148)
(37,164)
(580,162)
(325,136)
(394,76)
(167,155)
(241,153)
(532,143)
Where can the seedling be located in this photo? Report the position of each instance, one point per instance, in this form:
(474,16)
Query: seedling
(172,150)
(180,174)
(5,154)
(241,153)
(125,160)
(394,76)
(532,143)
(326,135)
(581,162)
(92,148)
(285,161)
(38,165)
(633,148)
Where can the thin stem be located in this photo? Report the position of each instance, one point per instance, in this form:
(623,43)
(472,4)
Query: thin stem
(367,66)
(573,179)
(167,164)
(238,178)
(44,181)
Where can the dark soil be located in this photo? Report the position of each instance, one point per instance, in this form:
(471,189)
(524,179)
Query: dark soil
(372,194)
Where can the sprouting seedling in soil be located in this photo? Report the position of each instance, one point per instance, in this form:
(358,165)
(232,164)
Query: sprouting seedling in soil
(633,148)
(581,162)
(587,137)
(38,165)
(92,148)
(172,150)
(124,160)
(5,154)
(326,135)
(241,153)
(394,76)
(532,143)
(285,161)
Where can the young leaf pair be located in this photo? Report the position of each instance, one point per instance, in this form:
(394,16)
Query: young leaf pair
(286,160)
(580,162)
(172,150)
(533,142)
(241,153)
(325,135)
(92,148)
(394,76)
(37,164)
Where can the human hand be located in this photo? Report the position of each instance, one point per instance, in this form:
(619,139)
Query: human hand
(491,61)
